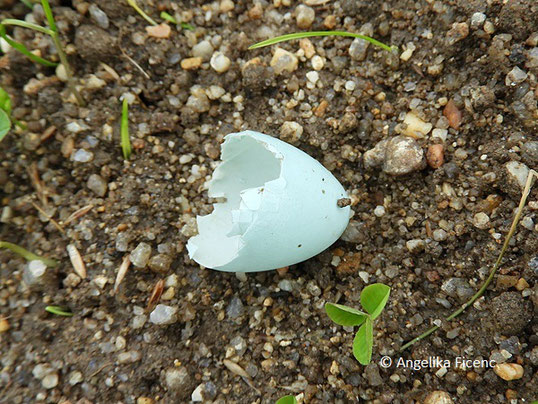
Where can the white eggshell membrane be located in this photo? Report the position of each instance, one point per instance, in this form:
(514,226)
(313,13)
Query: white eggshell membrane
(280,209)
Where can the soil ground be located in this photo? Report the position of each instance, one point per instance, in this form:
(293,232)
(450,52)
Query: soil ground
(254,339)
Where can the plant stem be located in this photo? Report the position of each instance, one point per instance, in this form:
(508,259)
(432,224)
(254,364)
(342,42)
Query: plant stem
(29,256)
(63,59)
(20,23)
(308,34)
(477,295)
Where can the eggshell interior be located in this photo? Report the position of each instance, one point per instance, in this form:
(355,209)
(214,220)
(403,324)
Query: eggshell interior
(280,207)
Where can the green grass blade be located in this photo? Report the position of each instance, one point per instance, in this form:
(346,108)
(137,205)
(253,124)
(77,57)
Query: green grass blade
(374,298)
(29,256)
(48,14)
(344,315)
(363,342)
(146,17)
(187,26)
(301,35)
(124,131)
(5,124)
(59,311)
(24,50)
(29,25)
(28,4)
(167,17)
(287,400)
(5,101)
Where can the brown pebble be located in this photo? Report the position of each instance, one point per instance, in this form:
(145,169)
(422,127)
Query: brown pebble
(432,276)
(191,63)
(256,12)
(453,114)
(510,394)
(329,22)
(4,325)
(509,371)
(282,271)
(319,111)
(159,31)
(435,155)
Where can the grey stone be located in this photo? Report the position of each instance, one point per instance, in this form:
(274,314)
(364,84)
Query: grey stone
(235,308)
(140,255)
(403,155)
(97,184)
(163,315)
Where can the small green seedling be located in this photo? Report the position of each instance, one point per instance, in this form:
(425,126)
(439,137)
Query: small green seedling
(59,311)
(301,35)
(28,4)
(52,31)
(124,130)
(5,115)
(29,256)
(184,25)
(146,17)
(287,400)
(373,300)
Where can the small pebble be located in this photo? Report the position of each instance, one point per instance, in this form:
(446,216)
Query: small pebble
(317,62)
(435,155)
(379,211)
(477,20)
(416,127)
(203,49)
(291,132)
(82,156)
(403,155)
(283,60)
(481,220)
(191,63)
(97,185)
(159,31)
(305,16)
(163,315)
(140,255)
(50,381)
(453,114)
(517,173)
(515,76)
(235,308)
(358,49)
(220,62)
(99,16)
(438,397)
(509,371)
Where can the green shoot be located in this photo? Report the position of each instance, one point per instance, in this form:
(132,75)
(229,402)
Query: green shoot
(301,35)
(146,17)
(532,175)
(59,311)
(29,256)
(28,4)
(167,17)
(124,130)
(373,299)
(287,400)
(5,114)
(52,31)
(5,124)
(23,49)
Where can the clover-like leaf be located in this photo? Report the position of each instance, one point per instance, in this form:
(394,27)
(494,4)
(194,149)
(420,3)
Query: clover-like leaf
(287,400)
(363,342)
(5,124)
(344,315)
(374,298)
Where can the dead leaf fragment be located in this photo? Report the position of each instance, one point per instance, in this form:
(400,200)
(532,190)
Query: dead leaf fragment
(76,261)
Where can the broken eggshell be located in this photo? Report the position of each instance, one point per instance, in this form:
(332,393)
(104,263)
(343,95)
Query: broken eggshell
(280,207)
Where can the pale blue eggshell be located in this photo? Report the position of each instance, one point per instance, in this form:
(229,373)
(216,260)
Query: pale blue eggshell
(281,207)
